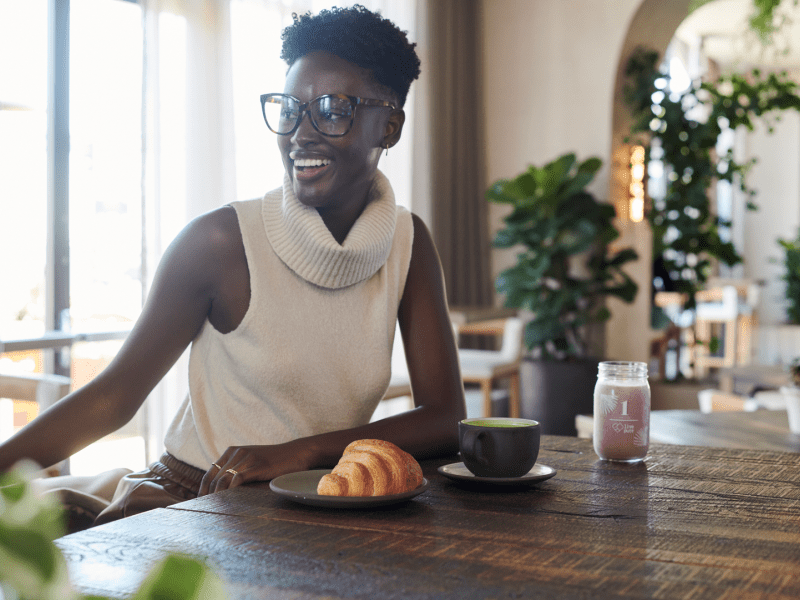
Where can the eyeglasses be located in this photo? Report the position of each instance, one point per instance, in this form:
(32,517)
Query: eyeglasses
(331,114)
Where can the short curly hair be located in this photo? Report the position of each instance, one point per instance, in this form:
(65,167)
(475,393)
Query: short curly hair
(361,37)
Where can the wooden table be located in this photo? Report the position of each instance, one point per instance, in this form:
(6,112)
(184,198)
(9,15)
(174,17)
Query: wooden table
(688,522)
(743,379)
(757,430)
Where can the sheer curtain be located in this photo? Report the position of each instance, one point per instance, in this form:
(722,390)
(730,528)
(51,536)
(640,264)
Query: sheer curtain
(205,142)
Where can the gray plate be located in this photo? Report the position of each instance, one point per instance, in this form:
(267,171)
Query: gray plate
(302,487)
(458,472)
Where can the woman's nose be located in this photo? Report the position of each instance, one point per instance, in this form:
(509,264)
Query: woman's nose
(305,129)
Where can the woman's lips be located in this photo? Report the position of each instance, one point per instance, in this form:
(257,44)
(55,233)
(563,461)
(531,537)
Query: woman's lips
(309,168)
(307,173)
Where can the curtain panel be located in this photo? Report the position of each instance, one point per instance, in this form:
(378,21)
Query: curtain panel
(458,207)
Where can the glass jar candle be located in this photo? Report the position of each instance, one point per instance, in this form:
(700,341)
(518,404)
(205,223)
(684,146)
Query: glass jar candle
(622,411)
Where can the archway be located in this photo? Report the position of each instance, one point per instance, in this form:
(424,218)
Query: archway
(653,25)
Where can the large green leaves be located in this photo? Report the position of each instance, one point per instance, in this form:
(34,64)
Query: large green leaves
(33,568)
(563,229)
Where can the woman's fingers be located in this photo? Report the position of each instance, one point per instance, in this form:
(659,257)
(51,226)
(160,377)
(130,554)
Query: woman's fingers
(208,478)
(225,473)
(243,464)
(229,478)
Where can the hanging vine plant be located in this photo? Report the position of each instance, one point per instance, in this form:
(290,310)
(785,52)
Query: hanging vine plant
(686,128)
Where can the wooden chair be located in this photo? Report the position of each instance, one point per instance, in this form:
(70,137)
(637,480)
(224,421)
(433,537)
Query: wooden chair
(729,309)
(713,400)
(44,390)
(487,367)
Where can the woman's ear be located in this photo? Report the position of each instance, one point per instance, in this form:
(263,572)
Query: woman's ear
(394,127)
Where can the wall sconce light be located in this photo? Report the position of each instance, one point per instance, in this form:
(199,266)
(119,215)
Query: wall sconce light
(636,188)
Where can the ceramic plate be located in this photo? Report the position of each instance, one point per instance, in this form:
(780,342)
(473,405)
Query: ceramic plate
(302,487)
(458,472)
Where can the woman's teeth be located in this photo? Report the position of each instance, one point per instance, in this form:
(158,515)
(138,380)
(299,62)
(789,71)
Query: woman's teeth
(302,163)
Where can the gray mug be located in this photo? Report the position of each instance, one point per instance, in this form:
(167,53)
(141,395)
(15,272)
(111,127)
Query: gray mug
(499,446)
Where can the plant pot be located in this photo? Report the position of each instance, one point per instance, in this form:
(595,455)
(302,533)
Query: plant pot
(792,396)
(554,392)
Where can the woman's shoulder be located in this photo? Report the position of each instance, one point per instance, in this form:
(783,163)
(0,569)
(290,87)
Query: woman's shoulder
(211,242)
(217,230)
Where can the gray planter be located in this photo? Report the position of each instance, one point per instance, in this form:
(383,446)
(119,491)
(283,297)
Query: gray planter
(554,392)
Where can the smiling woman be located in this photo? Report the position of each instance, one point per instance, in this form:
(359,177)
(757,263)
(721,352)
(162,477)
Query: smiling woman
(289,303)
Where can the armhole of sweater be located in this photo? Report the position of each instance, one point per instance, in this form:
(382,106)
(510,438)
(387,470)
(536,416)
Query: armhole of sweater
(405,226)
(246,211)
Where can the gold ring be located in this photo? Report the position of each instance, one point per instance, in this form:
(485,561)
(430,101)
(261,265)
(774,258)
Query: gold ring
(232,472)
(216,465)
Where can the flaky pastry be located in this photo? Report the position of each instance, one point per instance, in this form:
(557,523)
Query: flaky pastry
(371,468)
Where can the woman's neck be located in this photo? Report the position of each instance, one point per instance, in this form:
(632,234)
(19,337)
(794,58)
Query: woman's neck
(340,220)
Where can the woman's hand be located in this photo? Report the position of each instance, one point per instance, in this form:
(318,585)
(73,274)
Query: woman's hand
(242,464)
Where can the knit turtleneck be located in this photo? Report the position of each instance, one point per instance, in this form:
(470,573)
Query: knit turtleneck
(303,242)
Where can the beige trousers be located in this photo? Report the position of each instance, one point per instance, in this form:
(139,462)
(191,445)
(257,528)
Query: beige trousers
(119,493)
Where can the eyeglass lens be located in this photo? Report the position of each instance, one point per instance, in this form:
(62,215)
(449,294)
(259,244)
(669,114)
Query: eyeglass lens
(331,115)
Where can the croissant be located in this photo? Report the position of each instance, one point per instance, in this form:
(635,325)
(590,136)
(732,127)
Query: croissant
(371,468)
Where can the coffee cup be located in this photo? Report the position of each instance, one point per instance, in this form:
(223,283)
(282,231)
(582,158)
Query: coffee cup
(499,446)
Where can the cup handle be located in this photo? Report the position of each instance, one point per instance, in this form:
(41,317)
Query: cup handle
(471,440)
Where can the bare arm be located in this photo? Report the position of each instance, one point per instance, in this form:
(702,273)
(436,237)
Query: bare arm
(183,294)
(428,430)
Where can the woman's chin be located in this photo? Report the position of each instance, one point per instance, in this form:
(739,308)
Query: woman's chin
(312,198)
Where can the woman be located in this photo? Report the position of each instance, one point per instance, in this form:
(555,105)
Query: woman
(289,302)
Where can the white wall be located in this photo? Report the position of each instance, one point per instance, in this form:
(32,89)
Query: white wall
(776,179)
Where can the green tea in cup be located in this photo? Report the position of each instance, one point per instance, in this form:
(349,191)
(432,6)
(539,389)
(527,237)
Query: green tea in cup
(499,446)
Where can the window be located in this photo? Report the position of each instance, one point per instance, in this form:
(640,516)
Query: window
(71,256)
(114,133)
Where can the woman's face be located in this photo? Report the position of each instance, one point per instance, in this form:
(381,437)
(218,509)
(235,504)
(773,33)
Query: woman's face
(349,162)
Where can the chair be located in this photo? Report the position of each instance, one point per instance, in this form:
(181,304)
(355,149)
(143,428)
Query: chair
(712,400)
(722,307)
(44,390)
(487,367)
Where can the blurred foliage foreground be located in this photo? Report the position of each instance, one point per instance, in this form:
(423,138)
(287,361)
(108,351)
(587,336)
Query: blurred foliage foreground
(33,568)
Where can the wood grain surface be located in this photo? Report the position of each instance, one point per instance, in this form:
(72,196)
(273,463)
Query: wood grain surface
(758,430)
(689,522)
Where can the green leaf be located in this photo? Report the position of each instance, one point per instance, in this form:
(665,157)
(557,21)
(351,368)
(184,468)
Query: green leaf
(540,331)
(622,257)
(177,578)
(12,492)
(181,578)
(497,193)
(31,547)
(590,165)
(506,238)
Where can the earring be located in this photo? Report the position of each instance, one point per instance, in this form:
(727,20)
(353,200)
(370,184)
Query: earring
(387,148)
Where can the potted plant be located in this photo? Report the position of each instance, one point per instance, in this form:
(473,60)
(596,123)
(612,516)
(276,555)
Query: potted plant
(791,394)
(563,275)
(791,276)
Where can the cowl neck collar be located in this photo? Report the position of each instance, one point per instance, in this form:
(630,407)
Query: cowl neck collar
(303,242)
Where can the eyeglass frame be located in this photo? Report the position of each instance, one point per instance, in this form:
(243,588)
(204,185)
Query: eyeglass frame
(305,107)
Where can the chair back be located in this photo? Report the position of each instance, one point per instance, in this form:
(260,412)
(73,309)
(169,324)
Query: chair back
(723,307)
(511,346)
(43,389)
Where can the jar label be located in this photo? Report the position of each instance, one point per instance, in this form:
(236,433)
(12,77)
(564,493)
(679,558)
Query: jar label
(622,420)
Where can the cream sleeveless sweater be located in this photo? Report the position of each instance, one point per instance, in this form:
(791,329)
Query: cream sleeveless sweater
(313,352)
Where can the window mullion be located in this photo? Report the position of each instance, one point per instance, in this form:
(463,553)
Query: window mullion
(58,181)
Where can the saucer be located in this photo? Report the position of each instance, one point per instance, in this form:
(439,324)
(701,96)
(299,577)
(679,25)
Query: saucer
(459,472)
